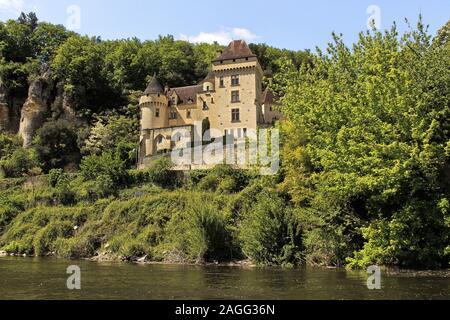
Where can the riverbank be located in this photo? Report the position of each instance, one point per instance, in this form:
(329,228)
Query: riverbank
(220,217)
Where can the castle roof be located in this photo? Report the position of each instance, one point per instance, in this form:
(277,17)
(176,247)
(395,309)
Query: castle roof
(209,77)
(267,97)
(186,94)
(154,87)
(236,50)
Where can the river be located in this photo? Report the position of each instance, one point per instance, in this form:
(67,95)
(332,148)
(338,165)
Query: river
(38,278)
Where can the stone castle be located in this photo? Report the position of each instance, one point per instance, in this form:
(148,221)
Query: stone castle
(230,99)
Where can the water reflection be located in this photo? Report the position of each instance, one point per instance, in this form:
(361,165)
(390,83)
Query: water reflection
(46,279)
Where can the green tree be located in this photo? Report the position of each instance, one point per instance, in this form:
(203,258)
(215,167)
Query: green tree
(56,144)
(367,139)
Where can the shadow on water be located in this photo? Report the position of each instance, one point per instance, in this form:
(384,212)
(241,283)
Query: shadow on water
(36,278)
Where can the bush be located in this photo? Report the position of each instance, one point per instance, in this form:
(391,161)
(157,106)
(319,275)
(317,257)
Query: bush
(44,239)
(56,144)
(8,144)
(160,172)
(54,176)
(270,233)
(223,179)
(416,236)
(107,167)
(19,163)
(207,233)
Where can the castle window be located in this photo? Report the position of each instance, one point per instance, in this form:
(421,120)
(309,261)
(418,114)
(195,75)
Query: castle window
(173,115)
(205,106)
(212,100)
(188,114)
(235,80)
(157,113)
(222,82)
(234,96)
(235,115)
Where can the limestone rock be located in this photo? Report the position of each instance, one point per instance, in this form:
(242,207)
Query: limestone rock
(35,107)
(4,110)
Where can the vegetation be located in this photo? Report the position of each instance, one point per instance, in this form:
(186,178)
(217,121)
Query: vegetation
(365,156)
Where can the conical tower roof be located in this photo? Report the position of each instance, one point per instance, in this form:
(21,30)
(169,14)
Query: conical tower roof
(154,86)
(209,77)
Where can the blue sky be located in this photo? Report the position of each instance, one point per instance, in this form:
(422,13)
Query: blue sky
(293,24)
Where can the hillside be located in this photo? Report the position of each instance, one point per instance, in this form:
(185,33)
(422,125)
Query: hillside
(365,154)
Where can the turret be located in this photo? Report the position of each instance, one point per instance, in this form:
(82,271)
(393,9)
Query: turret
(154,105)
(208,82)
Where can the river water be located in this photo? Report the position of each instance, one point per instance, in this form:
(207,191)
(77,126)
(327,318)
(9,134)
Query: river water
(36,278)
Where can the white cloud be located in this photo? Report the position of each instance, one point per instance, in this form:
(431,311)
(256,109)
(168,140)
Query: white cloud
(223,37)
(15,6)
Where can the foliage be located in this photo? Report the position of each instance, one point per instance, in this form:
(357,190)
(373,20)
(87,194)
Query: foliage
(56,144)
(270,233)
(19,163)
(366,146)
(159,172)
(107,169)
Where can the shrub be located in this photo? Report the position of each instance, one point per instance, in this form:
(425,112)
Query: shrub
(54,176)
(160,172)
(270,233)
(44,239)
(56,144)
(106,165)
(19,163)
(207,233)
(416,236)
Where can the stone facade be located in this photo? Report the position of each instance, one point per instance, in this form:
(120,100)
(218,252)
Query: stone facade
(230,99)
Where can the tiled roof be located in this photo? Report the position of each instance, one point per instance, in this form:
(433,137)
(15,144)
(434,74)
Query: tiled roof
(236,50)
(209,77)
(185,94)
(267,96)
(154,87)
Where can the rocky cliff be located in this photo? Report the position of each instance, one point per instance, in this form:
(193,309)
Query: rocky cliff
(36,107)
(4,110)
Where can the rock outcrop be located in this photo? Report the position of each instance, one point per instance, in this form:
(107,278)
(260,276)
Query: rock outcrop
(35,108)
(4,110)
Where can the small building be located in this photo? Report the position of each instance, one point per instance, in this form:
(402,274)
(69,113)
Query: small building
(229,100)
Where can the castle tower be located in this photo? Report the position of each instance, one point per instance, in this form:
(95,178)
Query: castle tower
(238,90)
(154,114)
